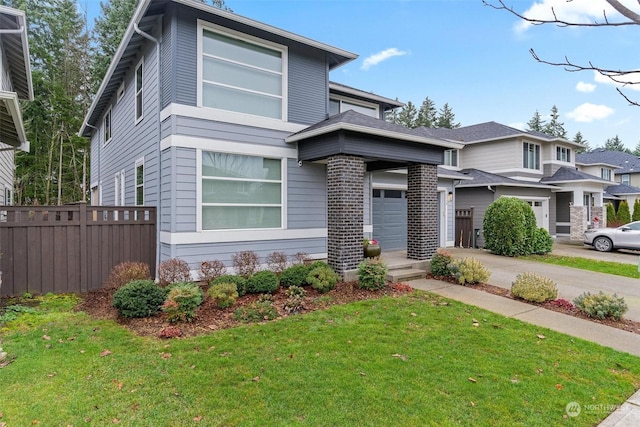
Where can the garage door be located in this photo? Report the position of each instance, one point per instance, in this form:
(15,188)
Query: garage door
(390,218)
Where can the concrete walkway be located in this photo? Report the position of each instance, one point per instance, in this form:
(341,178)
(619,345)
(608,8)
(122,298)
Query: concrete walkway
(571,282)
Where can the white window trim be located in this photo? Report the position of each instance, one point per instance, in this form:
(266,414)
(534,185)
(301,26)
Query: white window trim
(203,25)
(457,152)
(119,188)
(241,232)
(568,151)
(622,179)
(138,92)
(539,154)
(9,202)
(608,172)
(104,127)
(120,93)
(342,99)
(139,162)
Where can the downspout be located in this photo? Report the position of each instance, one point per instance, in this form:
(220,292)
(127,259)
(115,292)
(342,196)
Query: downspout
(159,161)
(99,201)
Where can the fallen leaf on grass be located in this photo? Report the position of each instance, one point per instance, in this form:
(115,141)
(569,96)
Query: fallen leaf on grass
(540,336)
(473,380)
(46,337)
(115,421)
(198,418)
(559,386)
(413,314)
(362,374)
(105,353)
(51,375)
(255,379)
(472,404)
(400,356)
(165,355)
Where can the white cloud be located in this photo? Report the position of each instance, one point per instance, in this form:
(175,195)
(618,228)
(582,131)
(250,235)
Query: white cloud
(518,125)
(377,58)
(582,12)
(585,87)
(587,112)
(627,78)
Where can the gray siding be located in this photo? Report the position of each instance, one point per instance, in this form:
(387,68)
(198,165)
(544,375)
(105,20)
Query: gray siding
(168,59)
(306,195)
(477,198)
(179,190)
(6,172)
(308,87)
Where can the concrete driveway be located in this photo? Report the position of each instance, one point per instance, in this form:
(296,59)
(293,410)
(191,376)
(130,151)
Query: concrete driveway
(571,282)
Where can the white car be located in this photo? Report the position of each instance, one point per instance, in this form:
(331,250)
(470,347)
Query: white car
(607,239)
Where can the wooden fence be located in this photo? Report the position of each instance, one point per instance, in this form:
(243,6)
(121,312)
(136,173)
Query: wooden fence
(71,248)
(464,228)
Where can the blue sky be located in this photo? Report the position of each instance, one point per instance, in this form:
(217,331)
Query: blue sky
(473,57)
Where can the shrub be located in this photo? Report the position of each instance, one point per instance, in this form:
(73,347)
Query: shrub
(262,282)
(139,298)
(239,281)
(259,311)
(295,300)
(372,274)
(535,288)
(508,226)
(322,278)
(612,220)
(563,303)
(277,262)
(246,263)
(601,305)
(440,263)
(210,270)
(296,275)
(173,270)
(182,301)
(623,215)
(170,332)
(125,272)
(636,211)
(542,242)
(469,271)
(223,294)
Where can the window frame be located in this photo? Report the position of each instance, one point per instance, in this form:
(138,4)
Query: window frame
(137,185)
(246,38)
(527,152)
(107,128)
(343,99)
(563,154)
(139,93)
(454,152)
(8,195)
(605,173)
(283,184)
(625,178)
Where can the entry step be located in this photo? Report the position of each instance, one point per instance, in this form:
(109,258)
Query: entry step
(405,274)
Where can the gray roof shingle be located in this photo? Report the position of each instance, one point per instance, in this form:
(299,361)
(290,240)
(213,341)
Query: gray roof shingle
(565,174)
(621,189)
(482,179)
(626,163)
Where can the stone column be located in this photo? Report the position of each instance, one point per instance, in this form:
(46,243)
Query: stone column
(345,212)
(422,211)
(578,221)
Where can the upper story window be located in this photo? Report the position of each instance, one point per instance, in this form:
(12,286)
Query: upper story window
(605,173)
(106,126)
(451,158)
(242,75)
(531,156)
(139,91)
(337,106)
(563,154)
(625,179)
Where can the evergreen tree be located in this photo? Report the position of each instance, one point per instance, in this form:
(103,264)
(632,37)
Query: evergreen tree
(612,220)
(427,114)
(536,123)
(580,140)
(615,144)
(407,115)
(636,151)
(636,211)
(623,215)
(446,118)
(555,127)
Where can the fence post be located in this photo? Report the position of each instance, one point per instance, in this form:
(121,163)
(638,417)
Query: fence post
(84,254)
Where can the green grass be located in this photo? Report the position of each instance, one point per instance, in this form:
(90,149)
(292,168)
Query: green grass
(617,268)
(415,360)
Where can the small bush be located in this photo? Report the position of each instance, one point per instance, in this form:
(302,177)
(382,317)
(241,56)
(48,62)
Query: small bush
(239,281)
(323,278)
(624,214)
(469,271)
(173,270)
(542,242)
(636,211)
(601,305)
(563,303)
(440,263)
(277,262)
(246,263)
(535,288)
(182,301)
(612,221)
(508,227)
(170,332)
(296,275)
(125,272)
(210,270)
(372,274)
(139,298)
(11,312)
(223,294)
(263,282)
(295,300)
(259,311)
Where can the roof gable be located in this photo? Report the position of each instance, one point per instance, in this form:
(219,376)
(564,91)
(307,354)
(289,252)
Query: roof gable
(625,162)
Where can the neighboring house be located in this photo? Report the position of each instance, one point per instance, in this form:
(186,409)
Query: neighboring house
(15,85)
(538,168)
(232,129)
(622,169)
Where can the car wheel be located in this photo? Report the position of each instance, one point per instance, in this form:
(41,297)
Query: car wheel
(603,244)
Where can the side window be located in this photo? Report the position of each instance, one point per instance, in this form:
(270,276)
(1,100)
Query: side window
(140,182)
(107,126)
(139,91)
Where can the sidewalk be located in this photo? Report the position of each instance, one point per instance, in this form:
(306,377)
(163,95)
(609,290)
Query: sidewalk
(571,283)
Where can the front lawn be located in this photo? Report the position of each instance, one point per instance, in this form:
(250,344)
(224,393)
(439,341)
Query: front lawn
(413,360)
(608,267)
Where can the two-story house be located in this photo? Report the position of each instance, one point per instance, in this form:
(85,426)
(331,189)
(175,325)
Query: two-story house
(234,131)
(15,85)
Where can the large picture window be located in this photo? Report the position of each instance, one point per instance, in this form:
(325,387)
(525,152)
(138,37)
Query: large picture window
(241,192)
(241,76)
(531,156)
